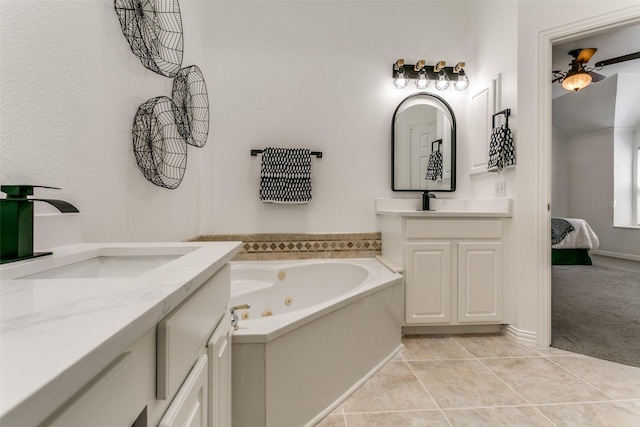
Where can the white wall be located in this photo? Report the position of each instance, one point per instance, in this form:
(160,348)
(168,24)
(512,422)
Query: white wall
(70,88)
(590,165)
(560,173)
(316,75)
(584,171)
(593,164)
(623,185)
(493,52)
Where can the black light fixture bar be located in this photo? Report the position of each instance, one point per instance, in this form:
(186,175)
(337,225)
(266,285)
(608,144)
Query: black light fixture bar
(412,73)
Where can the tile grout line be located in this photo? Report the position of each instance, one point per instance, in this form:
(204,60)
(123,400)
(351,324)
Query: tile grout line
(583,379)
(509,386)
(427,390)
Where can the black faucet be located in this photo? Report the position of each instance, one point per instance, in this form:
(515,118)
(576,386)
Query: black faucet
(425,200)
(16,221)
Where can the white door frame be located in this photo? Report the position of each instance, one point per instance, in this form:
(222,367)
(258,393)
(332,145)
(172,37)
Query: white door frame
(545,40)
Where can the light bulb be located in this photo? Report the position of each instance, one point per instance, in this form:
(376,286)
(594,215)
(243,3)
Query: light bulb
(423,79)
(401,80)
(463,81)
(442,82)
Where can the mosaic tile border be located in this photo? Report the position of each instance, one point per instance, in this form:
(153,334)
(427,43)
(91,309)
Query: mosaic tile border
(276,246)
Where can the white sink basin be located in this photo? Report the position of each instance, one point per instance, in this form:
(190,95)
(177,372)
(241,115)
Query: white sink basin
(98,262)
(105,267)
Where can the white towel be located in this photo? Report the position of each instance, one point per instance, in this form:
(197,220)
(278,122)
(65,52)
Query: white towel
(285,175)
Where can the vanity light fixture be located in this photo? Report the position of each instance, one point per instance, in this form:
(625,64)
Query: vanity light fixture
(442,81)
(462,82)
(423,79)
(401,79)
(423,74)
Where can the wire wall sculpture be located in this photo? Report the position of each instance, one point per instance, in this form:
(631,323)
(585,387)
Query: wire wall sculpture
(160,150)
(153,29)
(190,96)
(163,127)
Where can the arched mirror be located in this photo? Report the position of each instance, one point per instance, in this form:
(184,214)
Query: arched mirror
(423,145)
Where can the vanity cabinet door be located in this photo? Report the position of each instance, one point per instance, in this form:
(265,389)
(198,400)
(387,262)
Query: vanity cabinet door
(428,283)
(219,352)
(189,408)
(480,286)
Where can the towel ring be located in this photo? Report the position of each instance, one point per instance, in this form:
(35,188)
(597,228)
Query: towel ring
(506,112)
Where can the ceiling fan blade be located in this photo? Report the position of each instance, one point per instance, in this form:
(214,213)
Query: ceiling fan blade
(596,77)
(585,55)
(617,59)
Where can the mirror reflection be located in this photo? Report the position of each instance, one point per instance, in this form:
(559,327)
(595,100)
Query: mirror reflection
(423,145)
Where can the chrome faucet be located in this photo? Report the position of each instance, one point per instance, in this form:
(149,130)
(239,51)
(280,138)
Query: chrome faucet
(234,316)
(16,221)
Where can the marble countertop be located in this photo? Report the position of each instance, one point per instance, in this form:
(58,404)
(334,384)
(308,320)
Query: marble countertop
(57,334)
(446,208)
(444,214)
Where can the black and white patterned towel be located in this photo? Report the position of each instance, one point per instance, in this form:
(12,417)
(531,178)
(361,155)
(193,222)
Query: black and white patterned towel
(559,230)
(285,175)
(434,168)
(502,151)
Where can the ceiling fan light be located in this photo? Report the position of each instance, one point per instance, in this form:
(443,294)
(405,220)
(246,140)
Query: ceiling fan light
(576,81)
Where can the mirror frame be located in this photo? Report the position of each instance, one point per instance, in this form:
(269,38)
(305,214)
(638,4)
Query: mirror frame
(443,105)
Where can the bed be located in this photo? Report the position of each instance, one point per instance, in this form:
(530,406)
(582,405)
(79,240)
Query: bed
(572,240)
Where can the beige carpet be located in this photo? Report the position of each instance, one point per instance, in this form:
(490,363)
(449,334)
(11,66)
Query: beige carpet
(596,309)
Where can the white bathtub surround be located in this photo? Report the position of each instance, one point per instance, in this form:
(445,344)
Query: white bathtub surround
(59,333)
(294,367)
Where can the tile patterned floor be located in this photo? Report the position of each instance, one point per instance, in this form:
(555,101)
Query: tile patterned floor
(492,380)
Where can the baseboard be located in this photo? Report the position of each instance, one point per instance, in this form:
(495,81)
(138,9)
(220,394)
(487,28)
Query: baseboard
(617,255)
(451,329)
(329,409)
(526,337)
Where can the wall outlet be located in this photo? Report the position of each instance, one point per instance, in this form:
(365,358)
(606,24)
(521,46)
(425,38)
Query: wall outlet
(501,188)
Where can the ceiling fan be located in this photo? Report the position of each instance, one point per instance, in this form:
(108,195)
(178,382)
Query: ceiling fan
(579,75)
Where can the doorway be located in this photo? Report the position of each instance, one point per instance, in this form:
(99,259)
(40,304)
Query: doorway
(547,41)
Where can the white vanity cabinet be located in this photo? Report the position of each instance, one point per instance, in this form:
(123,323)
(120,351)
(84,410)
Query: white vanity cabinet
(457,279)
(453,264)
(134,350)
(194,341)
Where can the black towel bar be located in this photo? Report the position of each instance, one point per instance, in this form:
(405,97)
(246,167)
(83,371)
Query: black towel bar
(439,141)
(506,112)
(318,154)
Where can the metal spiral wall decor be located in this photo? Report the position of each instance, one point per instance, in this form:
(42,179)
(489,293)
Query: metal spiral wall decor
(160,149)
(153,29)
(163,126)
(190,95)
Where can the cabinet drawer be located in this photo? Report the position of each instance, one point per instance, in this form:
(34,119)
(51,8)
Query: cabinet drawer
(183,334)
(449,229)
(109,400)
